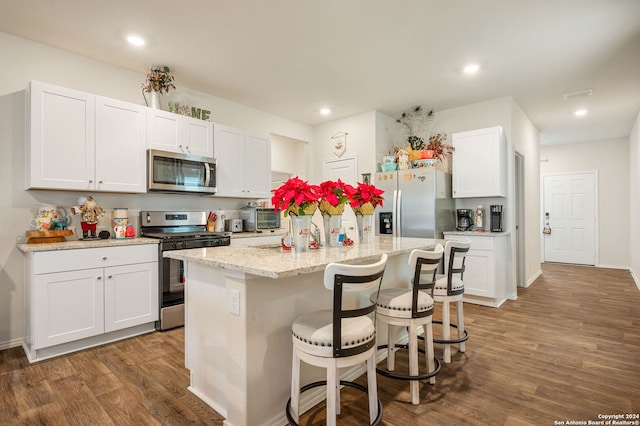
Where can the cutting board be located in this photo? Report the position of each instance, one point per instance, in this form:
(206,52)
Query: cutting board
(42,237)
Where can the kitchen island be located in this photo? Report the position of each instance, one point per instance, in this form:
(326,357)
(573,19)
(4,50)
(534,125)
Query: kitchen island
(240,303)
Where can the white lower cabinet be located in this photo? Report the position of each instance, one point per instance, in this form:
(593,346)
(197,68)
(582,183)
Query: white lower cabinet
(68,306)
(85,297)
(486,269)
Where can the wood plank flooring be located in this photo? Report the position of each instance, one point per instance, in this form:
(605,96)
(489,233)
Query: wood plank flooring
(567,350)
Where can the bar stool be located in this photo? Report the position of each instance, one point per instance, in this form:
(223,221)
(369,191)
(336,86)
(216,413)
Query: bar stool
(340,337)
(412,308)
(449,289)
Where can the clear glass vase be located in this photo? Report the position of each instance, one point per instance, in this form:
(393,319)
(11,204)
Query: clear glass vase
(332,225)
(365,226)
(301,232)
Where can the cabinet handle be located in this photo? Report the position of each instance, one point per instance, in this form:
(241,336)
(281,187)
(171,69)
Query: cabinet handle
(90,180)
(110,276)
(99,181)
(99,278)
(104,258)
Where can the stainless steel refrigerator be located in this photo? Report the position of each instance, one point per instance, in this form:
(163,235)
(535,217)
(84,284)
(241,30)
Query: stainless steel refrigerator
(417,203)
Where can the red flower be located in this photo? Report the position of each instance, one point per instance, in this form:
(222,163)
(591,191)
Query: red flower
(295,196)
(366,193)
(334,193)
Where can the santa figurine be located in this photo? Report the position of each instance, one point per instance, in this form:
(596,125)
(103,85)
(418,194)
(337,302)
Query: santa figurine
(403,159)
(90,211)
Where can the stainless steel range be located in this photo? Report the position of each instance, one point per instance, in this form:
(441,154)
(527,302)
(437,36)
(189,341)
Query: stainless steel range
(178,230)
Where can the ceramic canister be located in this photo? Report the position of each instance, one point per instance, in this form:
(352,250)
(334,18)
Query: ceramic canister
(119,213)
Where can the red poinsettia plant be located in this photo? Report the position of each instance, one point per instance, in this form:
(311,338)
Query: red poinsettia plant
(296,197)
(365,198)
(334,196)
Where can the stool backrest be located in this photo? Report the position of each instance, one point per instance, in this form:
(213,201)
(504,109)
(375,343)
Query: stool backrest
(352,278)
(457,251)
(425,266)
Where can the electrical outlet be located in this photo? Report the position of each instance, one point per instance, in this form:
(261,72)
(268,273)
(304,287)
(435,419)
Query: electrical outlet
(234,306)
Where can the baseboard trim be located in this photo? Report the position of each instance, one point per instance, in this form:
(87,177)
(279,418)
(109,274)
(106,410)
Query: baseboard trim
(635,278)
(11,344)
(533,278)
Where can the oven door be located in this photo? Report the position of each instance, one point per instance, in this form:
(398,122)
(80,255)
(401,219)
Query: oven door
(173,281)
(171,172)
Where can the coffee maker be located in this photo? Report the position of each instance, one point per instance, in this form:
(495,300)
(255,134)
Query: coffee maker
(496,218)
(465,220)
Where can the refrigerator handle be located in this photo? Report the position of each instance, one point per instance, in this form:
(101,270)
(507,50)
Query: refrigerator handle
(397,223)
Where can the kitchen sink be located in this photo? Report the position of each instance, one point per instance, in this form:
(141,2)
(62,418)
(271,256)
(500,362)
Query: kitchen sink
(270,246)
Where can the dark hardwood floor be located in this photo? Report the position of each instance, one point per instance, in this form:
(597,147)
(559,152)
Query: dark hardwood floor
(567,350)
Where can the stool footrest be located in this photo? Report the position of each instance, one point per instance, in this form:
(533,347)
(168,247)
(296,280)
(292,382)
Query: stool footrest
(451,341)
(354,385)
(425,376)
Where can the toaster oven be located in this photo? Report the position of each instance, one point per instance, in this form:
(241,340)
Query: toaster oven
(259,219)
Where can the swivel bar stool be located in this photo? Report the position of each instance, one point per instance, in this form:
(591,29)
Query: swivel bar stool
(449,289)
(412,308)
(340,337)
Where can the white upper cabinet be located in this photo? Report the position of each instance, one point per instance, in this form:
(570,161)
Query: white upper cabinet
(198,137)
(79,141)
(120,146)
(172,132)
(244,163)
(61,138)
(479,163)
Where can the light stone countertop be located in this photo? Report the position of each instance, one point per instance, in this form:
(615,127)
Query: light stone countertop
(81,244)
(478,233)
(269,260)
(268,233)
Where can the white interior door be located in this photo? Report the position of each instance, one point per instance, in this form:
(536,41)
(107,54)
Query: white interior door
(344,169)
(570,203)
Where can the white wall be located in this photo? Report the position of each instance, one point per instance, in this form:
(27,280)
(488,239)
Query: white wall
(522,136)
(32,61)
(610,159)
(287,155)
(634,200)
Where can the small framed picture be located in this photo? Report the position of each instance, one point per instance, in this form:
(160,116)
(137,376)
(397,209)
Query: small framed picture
(366,178)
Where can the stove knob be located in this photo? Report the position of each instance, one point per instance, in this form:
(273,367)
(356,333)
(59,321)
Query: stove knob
(183,245)
(174,246)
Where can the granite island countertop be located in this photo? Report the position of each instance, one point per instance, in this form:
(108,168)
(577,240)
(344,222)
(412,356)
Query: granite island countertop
(271,261)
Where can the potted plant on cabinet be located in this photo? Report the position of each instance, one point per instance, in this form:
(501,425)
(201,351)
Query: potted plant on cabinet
(159,80)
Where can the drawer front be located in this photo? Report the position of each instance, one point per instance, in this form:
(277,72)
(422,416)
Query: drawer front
(77,259)
(482,243)
(477,243)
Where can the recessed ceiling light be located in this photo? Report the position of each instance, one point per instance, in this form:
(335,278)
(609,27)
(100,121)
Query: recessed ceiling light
(135,40)
(325,111)
(580,112)
(471,68)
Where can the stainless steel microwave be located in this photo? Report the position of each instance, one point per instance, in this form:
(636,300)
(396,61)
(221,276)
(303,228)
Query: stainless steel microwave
(259,218)
(172,172)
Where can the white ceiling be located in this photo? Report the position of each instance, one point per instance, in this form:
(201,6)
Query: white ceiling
(292,57)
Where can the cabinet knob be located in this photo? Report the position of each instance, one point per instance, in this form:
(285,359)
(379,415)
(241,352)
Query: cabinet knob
(110,276)
(104,258)
(90,180)
(99,181)
(99,278)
